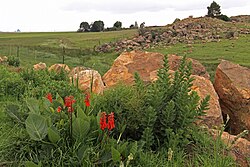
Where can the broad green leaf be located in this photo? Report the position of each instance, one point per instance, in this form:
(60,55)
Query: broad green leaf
(32,164)
(82,115)
(46,103)
(115,155)
(53,135)
(13,111)
(36,126)
(33,105)
(80,128)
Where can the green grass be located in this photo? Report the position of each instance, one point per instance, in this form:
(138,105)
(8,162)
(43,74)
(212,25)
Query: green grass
(69,39)
(210,54)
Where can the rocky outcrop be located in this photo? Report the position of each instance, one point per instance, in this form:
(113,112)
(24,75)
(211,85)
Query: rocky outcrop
(204,87)
(58,67)
(239,148)
(187,31)
(232,83)
(146,64)
(86,78)
(39,66)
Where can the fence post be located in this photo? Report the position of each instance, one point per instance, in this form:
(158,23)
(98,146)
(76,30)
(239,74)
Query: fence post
(63,53)
(17,51)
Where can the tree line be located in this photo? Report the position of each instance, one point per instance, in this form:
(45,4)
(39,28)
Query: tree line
(97,26)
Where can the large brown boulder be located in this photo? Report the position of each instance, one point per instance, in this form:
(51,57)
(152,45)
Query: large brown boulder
(39,66)
(83,78)
(232,83)
(239,148)
(146,64)
(59,67)
(213,115)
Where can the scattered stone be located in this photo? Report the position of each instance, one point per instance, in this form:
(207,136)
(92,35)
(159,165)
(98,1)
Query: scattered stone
(58,67)
(87,78)
(39,66)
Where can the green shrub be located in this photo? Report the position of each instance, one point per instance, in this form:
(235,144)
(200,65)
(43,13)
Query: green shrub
(13,61)
(160,114)
(11,84)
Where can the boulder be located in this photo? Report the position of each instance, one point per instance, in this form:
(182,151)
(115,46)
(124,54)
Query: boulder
(85,77)
(239,148)
(198,68)
(213,115)
(58,67)
(39,66)
(146,64)
(232,84)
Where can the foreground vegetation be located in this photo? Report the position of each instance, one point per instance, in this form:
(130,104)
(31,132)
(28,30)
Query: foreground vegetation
(47,122)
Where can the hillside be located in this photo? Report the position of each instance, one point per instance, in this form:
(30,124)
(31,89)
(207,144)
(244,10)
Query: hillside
(241,18)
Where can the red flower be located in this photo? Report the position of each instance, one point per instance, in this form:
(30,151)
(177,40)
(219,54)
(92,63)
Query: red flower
(68,102)
(111,121)
(59,108)
(86,100)
(49,97)
(103,123)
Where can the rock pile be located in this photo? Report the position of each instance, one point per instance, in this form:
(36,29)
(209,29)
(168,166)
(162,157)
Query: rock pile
(187,31)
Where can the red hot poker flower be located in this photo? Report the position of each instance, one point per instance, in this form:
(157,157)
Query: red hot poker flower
(111,121)
(59,108)
(49,97)
(103,123)
(68,102)
(87,100)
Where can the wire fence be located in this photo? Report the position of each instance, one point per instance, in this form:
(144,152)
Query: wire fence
(30,55)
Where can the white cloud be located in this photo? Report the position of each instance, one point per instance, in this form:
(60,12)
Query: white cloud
(66,15)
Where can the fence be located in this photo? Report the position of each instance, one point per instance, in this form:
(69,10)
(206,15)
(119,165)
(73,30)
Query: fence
(49,55)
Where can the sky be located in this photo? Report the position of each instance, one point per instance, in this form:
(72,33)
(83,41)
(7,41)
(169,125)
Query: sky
(66,15)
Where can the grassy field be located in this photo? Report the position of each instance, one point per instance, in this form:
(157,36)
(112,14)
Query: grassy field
(210,54)
(33,48)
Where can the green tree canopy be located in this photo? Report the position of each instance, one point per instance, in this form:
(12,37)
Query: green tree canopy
(213,10)
(85,26)
(118,24)
(97,26)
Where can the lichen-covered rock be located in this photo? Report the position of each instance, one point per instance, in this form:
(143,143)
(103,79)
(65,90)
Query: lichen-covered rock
(85,78)
(239,148)
(39,66)
(146,64)
(58,67)
(204,87)
(232,83)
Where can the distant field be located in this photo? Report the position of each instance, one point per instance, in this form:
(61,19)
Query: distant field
(69,39)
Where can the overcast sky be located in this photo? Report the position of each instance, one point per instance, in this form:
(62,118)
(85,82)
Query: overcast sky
(66,15)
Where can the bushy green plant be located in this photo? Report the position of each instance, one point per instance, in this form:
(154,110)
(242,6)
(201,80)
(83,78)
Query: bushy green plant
(160,114)
(11,84)
(13,61)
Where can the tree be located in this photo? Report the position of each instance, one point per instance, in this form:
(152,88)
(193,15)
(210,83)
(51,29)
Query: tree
(97,26)
(84,26)
(213,10)
(118,25)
